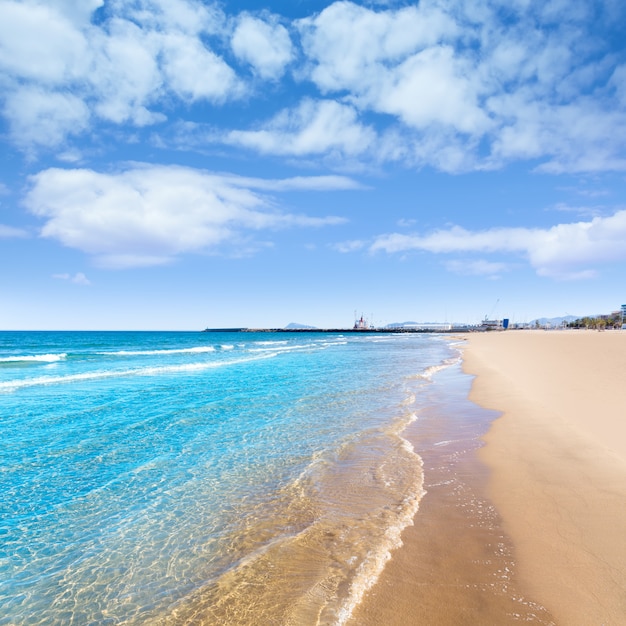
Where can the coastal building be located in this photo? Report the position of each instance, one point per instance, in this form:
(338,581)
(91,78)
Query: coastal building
(434,326)
(502,324)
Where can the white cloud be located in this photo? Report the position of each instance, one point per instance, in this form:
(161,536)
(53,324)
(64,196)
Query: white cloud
(314,127)
(454,85)
(265,46)
(37,43)
(194,73)
(562,251)
(78,279)
(479,90)
(121,70)
(148,215)
(431,88)
(350,46)
(126,75)
(349,246)
(395,62)
(192,17)
(77,11)
(44,117)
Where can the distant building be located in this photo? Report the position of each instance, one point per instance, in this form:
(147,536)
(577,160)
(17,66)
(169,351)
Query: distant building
(425,326)
(494,324)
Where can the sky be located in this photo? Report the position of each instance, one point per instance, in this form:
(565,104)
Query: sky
(182,164)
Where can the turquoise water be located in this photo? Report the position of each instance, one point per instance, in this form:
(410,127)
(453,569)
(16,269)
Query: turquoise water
(176,478)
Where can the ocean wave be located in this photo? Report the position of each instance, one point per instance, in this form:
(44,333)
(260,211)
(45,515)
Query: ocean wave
(283,348)
(14,385)
(34,358)
(198,350)
(429,372)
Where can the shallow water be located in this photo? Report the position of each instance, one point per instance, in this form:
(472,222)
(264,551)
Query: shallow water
(226,477)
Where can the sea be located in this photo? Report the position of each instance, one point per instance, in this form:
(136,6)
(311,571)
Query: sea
(207,477)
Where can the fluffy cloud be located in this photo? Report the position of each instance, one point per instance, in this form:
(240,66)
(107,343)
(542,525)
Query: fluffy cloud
(44,117)
(195,73)
(456,85)
(265,46)
(314,127)
(39,43)
(352,47)
(563,251)
(148,215)
(395,62)
(121,70)
(478,85)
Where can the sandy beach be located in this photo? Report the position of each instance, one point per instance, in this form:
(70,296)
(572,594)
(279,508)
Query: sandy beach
(531,526)
(558,463)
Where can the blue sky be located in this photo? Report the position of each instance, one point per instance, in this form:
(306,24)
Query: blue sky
(177,164)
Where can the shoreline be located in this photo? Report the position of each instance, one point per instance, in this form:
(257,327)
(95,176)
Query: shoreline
(456,564)
(529,525)
(557,457)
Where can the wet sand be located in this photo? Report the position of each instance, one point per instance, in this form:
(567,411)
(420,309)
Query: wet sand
(457,564)
(531,526)
(558,461)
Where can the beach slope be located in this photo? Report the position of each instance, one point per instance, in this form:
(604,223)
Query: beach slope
(558,461)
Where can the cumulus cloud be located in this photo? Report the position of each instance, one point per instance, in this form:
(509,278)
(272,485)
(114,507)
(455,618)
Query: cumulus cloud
(352,47)
(148,215)
(266,46)
(563,251)
(397,62)
(457,86)
(194,73)
(39,43)
(478,86)
(44,117)
(314,127)
(61,73)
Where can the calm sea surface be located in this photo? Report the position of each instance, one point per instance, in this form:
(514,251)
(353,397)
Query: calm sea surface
(225,478)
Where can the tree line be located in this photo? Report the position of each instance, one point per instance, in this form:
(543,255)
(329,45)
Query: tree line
(599,322)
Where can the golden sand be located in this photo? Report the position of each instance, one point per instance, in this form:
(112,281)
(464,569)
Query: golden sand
(558,461)
(533,527)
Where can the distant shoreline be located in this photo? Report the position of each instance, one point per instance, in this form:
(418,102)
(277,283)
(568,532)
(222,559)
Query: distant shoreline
(336,330)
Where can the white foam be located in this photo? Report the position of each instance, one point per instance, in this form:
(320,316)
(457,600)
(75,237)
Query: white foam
(198,350)
(429,372)
(290,348)
(371,567)
(13,385)
(37,358)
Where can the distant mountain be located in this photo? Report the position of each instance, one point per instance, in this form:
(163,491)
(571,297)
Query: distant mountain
(554,321)
(295,326)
